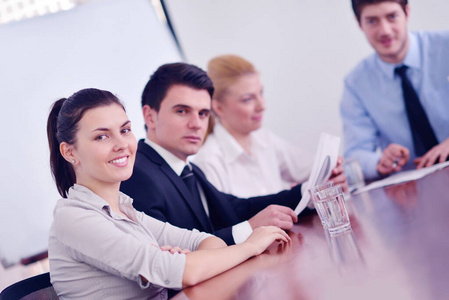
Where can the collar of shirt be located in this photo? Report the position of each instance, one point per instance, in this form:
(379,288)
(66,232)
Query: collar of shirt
(172,160)
(412,59)
(177,166)
(231,148)
(83,194)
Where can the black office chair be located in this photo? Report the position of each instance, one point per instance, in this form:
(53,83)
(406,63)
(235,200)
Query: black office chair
(34,288)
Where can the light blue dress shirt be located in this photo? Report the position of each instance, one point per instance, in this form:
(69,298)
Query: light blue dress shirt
(372,107)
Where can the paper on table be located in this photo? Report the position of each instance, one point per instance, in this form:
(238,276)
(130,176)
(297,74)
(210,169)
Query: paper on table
(325,160)
(402,177)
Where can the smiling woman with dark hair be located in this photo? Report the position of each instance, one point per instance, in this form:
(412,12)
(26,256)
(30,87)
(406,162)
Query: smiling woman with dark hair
(100,247)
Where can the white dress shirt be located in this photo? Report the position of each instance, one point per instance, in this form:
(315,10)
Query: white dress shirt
(272,166)
(241,231)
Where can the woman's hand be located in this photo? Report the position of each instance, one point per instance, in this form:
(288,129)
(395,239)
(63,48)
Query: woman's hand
(264,236)
(204,264)
(175,249)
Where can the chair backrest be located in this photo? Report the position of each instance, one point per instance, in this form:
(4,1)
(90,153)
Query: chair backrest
(35,288)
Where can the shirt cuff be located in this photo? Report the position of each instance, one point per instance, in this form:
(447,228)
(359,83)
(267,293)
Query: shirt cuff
(241,231)
(369,166)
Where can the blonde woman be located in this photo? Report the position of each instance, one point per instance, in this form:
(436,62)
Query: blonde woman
(239,156)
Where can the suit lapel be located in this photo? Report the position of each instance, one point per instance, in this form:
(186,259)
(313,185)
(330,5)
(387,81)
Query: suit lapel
(221,212)
(196,210)
(196,207)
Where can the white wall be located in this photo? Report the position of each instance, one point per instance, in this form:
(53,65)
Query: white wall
(109,44)
(302,48)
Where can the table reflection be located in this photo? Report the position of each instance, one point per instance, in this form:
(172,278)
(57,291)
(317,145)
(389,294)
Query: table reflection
(405,194)
(344,250)
(396,249)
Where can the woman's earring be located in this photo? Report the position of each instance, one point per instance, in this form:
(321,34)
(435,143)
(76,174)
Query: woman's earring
(73,161)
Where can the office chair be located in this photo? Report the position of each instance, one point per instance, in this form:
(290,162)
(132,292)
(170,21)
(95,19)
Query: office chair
(34,288)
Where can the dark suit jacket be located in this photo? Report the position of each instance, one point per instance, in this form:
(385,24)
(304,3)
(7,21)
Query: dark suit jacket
(159,192)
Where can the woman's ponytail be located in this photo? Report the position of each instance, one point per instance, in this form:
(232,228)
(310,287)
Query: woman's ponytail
(61,169)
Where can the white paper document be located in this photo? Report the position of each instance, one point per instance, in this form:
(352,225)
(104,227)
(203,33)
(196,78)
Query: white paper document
(402,177)
(325,160)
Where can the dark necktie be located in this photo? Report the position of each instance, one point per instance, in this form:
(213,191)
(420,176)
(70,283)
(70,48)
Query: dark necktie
(423,135)
(195,201)
(189,179)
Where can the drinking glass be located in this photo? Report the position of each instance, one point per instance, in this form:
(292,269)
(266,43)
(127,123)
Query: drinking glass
(312,191)
(330,205)
(354,174)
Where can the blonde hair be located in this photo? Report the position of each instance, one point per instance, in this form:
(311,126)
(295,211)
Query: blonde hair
(225,70)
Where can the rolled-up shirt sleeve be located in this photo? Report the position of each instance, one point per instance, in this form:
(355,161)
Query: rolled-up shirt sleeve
(167,234)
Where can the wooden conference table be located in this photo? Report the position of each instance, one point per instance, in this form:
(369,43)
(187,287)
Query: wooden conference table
(398,248)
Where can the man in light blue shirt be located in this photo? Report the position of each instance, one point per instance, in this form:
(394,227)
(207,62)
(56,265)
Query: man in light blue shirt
(375,123)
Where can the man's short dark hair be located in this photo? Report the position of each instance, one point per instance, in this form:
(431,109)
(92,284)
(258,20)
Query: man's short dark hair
(172,74)
(357,5)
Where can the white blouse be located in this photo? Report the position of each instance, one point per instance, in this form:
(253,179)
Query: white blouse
(95,253)
(272,166)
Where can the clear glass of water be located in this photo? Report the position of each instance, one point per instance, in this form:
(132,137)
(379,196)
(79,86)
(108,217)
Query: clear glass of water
(330,204)
(316,189)
(354,174)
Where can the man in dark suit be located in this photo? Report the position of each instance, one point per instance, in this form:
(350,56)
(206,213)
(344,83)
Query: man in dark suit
(176,104)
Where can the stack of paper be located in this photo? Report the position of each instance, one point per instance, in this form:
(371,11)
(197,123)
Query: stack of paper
(402,177)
